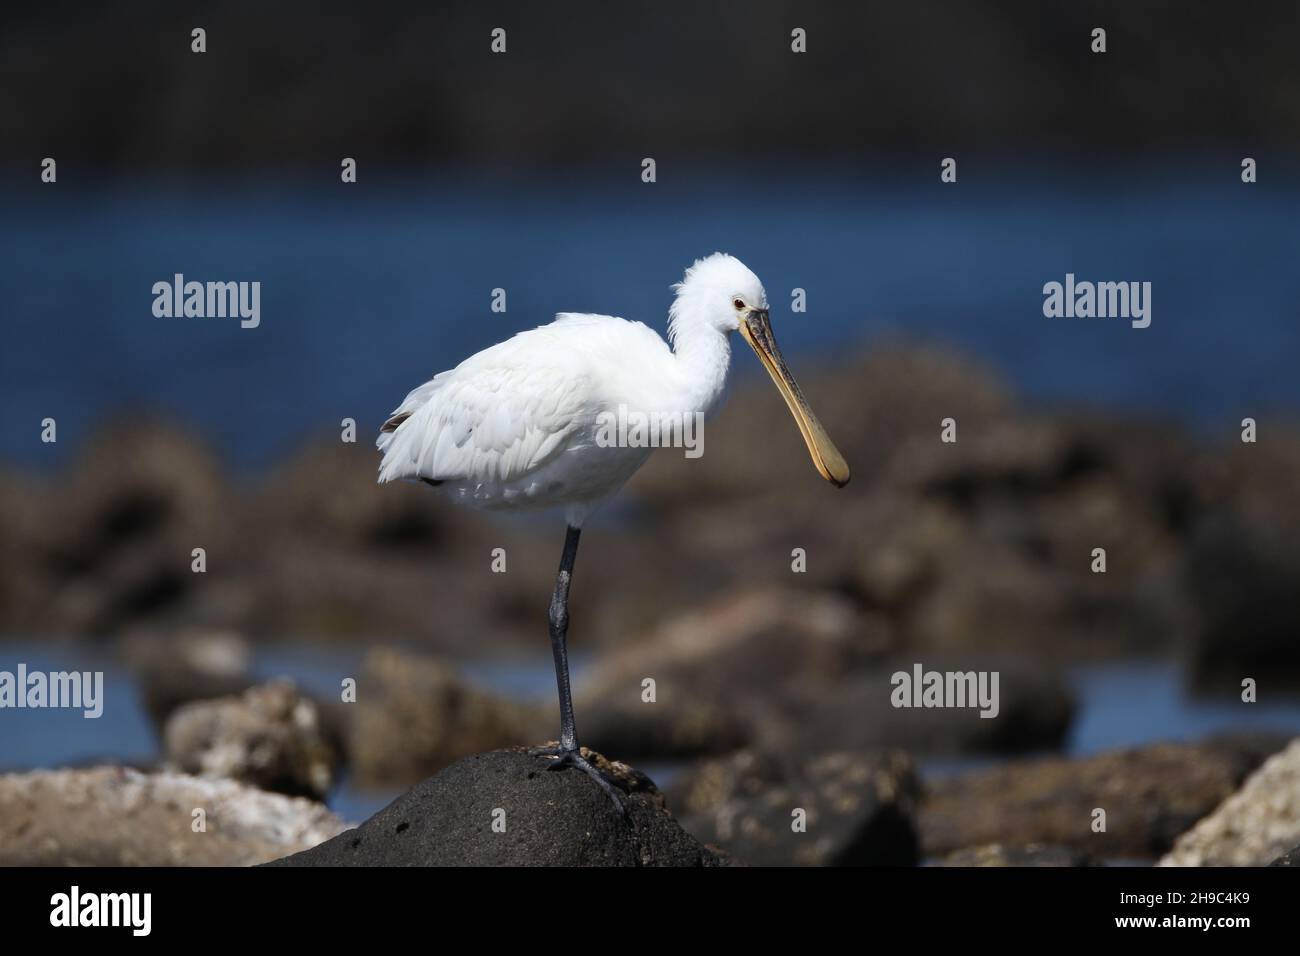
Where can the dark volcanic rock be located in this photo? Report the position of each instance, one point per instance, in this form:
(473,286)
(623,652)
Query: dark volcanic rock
(858,809)
(545,818)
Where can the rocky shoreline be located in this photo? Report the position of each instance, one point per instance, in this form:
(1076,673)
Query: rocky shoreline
(506,807)
(771,680)
(115,816)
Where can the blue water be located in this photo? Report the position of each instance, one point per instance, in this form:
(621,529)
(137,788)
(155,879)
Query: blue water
(1128,704)
(61,737)
(369,289)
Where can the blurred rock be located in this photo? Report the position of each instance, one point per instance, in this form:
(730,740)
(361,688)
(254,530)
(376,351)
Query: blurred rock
(272,737)
(550,818)
(177,668)
(336,554)
(779,669)
(1241,567)
(1253,747)
(318,549)
(1132,474)
(1034,854)
(979,548)
(859,809)
(27,589)
(109,816)
(326,492)
(872,404)
(1242,579)
(1009,459)
(1256,481)
(1150,794)
(900,556)
(296,586)
(1034,711)
(136,502)
(1290,858)
(414,716)
(998,596)
(982,545)
(1252,827)
(720,672)
(997,537)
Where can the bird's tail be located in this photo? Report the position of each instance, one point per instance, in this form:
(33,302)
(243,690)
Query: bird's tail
(398,444)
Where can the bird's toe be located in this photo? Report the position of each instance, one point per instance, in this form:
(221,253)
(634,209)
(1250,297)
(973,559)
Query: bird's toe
(564,758)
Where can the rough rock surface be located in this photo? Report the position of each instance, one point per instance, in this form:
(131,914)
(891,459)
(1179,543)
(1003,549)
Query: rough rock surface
(1150,794)
(414,716)
(505,808)
(1254,826)
(858,809)
(110,816)
(272,737)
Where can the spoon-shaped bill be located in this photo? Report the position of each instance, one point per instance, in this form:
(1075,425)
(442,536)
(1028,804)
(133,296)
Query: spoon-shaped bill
(757,330)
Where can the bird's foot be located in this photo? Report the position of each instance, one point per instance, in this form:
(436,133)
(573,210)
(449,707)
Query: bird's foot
(573,758)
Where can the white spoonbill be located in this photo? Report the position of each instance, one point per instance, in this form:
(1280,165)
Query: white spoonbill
(519,425)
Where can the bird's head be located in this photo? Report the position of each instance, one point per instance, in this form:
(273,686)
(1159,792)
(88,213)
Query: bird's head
(721,292)
(716,291)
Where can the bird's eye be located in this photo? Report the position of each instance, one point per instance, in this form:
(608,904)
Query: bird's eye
(738,304)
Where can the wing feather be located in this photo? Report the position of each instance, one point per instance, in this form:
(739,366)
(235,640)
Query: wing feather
(511,408)
(493,418)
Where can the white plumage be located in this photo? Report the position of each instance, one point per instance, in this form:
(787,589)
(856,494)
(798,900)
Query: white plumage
(515,425)
(519,425)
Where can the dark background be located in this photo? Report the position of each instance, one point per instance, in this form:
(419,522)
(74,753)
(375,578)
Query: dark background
(117,88)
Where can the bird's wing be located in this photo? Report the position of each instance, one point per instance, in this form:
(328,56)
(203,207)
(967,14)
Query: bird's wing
(497,416)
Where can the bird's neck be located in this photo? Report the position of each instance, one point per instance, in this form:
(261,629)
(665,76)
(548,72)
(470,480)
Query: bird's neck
(703,355)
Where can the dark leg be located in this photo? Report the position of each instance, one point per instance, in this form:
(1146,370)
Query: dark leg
(559,627)
(567,753)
